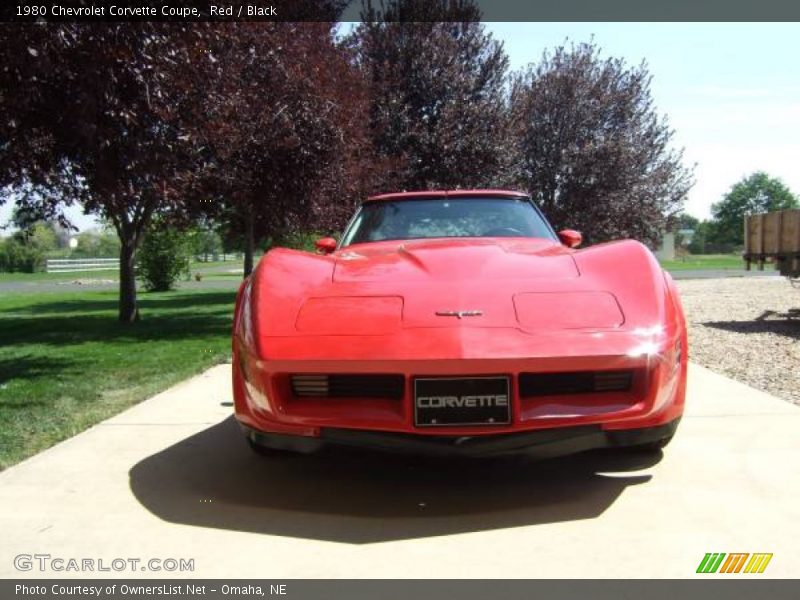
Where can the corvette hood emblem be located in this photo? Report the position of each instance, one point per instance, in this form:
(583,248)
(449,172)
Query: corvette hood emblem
(459,313)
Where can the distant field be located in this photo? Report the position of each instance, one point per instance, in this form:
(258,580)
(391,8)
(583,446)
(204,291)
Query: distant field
(232,269)
(731,262)
(218,265)
(206,269)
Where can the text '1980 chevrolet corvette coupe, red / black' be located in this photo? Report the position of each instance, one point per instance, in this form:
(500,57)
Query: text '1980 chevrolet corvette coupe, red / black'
(459,323)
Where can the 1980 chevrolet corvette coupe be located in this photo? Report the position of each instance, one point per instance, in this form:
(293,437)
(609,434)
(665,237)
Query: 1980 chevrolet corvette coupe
(459,323)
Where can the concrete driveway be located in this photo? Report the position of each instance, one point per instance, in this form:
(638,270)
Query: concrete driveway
(172,478)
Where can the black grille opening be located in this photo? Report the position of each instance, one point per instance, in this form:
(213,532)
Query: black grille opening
(348,386)
(579,382)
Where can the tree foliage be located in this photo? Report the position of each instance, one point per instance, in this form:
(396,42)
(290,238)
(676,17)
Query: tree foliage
(39,235)
(436,90)
(91,118)
(101,243)
(17,256)
(33,241)
(164,257)
(206,242)
(682,222)
(275,112)
(135,120)
(756,193)
(700,243)
(277,129)
(591,148)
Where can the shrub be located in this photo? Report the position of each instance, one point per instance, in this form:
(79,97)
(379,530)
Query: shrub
(163,258)
(16,256)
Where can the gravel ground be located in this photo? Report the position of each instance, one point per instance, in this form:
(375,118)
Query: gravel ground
(747,329)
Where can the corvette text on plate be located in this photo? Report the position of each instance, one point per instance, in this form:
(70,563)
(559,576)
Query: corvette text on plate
(467,401)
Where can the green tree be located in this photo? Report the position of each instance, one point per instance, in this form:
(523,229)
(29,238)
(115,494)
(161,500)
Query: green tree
(26,250)
(17,256)
(699,243)
(36,230)
(102,243)
(757,193)
(206,243)
(686,221)
(163,257)
(41,236)
(683,222)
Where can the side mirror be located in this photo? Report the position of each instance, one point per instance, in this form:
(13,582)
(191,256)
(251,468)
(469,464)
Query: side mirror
(570,238)
(325,245)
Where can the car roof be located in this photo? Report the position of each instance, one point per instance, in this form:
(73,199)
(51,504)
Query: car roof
(416,195)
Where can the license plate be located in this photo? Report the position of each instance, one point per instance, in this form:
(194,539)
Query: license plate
(442,401)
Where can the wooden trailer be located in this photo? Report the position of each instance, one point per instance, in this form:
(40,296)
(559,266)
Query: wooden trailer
(774,237)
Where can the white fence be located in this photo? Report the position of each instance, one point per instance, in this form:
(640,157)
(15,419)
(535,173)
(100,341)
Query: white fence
(69,265)
(218,257)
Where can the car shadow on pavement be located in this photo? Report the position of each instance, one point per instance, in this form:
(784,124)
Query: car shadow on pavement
(212,479)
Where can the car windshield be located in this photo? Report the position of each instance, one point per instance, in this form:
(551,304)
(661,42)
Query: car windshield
(444,218)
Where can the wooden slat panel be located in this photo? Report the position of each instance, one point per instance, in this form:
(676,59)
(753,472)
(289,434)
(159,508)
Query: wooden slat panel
(790,234)
(770,234)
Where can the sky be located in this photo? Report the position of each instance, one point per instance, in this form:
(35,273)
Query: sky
(731,92)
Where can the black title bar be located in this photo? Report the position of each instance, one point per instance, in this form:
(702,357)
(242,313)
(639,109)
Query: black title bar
(21,11)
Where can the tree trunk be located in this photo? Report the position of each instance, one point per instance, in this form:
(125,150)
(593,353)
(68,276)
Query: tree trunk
(249,243)
(128,310)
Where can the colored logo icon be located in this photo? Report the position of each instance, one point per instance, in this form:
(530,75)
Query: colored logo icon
(737,562)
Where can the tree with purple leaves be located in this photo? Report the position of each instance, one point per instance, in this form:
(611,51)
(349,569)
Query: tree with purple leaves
(89,118)
(591,148)
(437,110)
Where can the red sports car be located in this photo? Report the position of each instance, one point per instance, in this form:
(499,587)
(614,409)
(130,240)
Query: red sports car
(459,322)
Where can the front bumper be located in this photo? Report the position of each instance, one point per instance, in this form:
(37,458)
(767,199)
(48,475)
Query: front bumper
(545,443)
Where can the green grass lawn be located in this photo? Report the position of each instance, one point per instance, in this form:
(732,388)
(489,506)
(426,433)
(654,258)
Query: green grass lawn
(66,363)
(42,276)
(705,261)
(219,264)
(222,275)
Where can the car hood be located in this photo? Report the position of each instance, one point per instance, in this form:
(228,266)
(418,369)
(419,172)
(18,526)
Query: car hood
(391,290)
(454,260)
